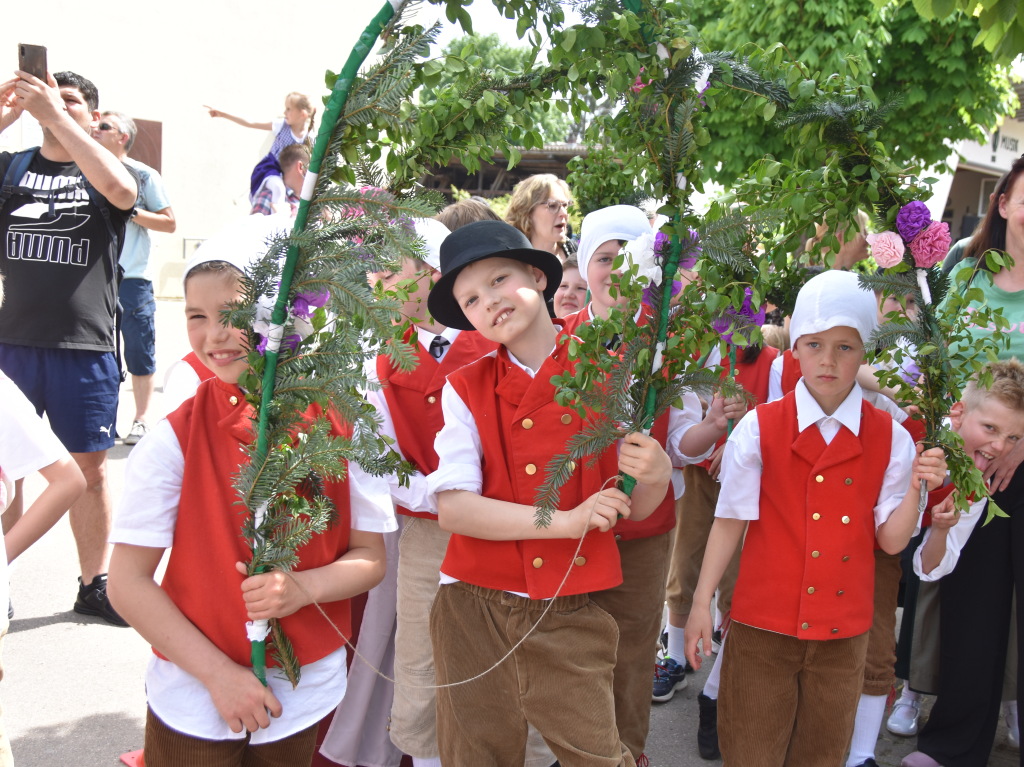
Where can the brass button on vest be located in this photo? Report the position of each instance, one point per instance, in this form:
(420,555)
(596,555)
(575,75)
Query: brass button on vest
(567,419)
(527,423)
(810,589)
(815,554)
(849,481)
(805,626)
(431,399)
(819,478)
(815,516)
(846,559)
(233,399)
(840,593)
(846,520)
(531,469)
(835,631)
(580,561)
(538,562)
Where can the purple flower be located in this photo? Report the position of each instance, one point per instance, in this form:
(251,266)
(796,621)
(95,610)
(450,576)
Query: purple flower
(307,303)
(912,219)
(745,317)
(691,248)
(291,342)
(648,295)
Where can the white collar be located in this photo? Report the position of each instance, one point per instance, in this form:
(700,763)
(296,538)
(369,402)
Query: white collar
(529,371)
(809,412)
(426,337)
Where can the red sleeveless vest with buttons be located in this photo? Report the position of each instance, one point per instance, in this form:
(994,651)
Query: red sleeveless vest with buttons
(663,518)
(213,428)
(808,565)
(521,429)
(414,399)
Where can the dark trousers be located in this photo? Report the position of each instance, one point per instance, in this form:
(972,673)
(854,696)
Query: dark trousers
(169,748)
(974,626)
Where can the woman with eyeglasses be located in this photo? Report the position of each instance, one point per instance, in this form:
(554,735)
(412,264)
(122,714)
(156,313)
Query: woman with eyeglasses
(539,208)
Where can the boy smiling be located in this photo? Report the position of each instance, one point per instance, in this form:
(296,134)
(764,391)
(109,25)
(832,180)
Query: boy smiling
(509,586)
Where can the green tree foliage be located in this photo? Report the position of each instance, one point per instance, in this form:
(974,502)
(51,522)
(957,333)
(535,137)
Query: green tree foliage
(1000,25)
(489,54)
(950,90)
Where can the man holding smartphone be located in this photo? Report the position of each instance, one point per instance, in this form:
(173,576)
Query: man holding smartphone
(62,226)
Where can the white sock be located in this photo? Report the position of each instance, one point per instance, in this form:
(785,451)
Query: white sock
(676,644)
(715,677)
(908,695)
(870,712)
(431,762)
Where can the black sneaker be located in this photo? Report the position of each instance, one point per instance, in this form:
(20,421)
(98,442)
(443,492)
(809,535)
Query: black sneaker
(92,600)
(707,729)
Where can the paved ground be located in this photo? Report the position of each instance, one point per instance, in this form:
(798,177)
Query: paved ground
(72,689)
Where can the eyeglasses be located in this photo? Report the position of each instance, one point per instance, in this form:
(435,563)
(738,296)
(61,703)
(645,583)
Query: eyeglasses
(108,126)
(553,206)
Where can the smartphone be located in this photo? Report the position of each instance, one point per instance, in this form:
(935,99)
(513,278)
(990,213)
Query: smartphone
(32,59)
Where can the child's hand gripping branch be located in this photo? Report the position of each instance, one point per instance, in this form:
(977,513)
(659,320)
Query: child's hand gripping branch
(699,439)
(277,594)
(945,516)
(929,467)
(642,458)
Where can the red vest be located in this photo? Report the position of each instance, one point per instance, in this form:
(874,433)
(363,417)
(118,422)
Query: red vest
(753,377)
(414,399)
(663,518)
(808,564)
(213,428)
(521,429)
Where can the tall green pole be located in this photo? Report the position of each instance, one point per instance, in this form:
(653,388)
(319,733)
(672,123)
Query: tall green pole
(332,113)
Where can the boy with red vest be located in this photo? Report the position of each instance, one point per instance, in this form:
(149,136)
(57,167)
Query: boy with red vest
(205,704)
(517,639)
(839,477)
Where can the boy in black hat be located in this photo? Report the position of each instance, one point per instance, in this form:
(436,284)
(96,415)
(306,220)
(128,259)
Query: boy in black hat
(502,575)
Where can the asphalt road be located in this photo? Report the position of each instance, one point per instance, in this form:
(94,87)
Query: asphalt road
(73,692)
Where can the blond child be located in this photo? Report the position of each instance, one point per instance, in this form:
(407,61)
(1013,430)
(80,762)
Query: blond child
(502,572)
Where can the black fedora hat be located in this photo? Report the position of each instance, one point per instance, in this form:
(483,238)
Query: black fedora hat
(475,242)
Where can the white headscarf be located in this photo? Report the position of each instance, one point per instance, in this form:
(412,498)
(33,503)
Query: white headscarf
(242,242)
(833,299)
(616,222)
(433,233)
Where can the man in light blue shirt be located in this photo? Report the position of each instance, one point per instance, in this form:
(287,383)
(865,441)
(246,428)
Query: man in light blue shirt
(117,131)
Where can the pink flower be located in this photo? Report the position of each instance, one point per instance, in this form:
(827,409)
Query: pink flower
(931,245)
(887,248)
(639,84)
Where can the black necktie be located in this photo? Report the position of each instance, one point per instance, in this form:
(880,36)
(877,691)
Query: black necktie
(437,346)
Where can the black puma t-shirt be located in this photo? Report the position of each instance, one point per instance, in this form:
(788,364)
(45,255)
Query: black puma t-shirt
(58,262)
